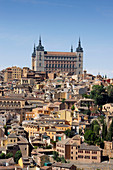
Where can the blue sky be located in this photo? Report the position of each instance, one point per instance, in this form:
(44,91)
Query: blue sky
(60,23)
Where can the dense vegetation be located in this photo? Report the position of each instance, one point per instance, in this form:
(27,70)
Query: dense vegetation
(18,155)
(57,158)
(8,155)
(69,133)
(101,95)
(95,135)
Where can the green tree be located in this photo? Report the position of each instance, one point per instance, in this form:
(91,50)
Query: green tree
(63,159)
(2,156)
(101,119)
(96,129)
(73,108)
(90,137)
(35,147)
(80,131)
(110,93)
(63,101)
(18,155)
(85,96)
(57,158)
(98,94)
(5,127)
(104,131)
(69,133)
(94,122)
(55,155)
(110,132)
(9,155)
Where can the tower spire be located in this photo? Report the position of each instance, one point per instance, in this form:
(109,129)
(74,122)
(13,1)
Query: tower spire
(34,48)
(71,48)
(40,40)
(79,44)
(79,48)
(40,47)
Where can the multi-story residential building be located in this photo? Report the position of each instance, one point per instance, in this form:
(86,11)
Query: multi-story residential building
(8,74)
(18,141)
(57,61)
(12,73)
(16,73)
(73,149)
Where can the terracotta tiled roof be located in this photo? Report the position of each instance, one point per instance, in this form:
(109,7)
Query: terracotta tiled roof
(50,53)
(85,146)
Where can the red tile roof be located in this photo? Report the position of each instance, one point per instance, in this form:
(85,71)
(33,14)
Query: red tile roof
(50,53)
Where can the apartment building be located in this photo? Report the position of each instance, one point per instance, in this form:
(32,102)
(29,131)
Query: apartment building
(12,73)
(74,150)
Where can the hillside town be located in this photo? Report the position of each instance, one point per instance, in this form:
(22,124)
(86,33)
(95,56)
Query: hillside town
(55,120)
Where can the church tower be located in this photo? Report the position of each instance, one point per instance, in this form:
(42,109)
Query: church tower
(79,51)
(33,58)
(39,60)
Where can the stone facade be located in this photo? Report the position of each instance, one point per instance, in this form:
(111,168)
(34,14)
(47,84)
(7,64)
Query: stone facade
(57,61)
(73,150)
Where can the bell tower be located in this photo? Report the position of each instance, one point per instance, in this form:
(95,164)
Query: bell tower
(33,58)
(39,62)
(79,51)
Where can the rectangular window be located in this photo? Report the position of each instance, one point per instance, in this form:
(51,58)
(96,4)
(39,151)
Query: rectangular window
(94,152)
(87,151)
(87,157)
(80,156)
(94,157)
(39,64)
(80,151)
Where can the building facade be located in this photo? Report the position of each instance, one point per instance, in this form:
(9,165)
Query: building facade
(49,61)
(72,149)
(12,73)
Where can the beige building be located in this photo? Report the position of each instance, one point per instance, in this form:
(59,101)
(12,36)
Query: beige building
(72,149)
(65,114)
(12,73)
(57,61)
(108,108)
(8,74)
(18,141)
(16,73)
